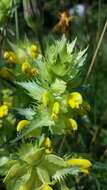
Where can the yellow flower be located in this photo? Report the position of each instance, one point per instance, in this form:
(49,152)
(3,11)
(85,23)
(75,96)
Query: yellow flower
(45,99)
(34,72)
(10,56)
(26,67)
(3,111)
(84,170)
(4,73)
(48,150)
(75,100)
(84,164)
(6,55)
(22,124)
(48,145)
(73,124)
(47,142)
(55,110)
(33,51)
(34,48)
(47,187)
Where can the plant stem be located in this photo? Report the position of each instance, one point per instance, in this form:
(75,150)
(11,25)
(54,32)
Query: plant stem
(16,22)
(96,52)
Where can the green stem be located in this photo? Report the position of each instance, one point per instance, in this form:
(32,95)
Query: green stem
(16,22)
(99,16)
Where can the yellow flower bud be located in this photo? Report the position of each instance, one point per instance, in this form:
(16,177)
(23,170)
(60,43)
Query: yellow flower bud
(75,100)
(48,145)
(45,99)
(4,73)
(48,150)
(47,187)
(73,124)
(34,48)
(26,68)
(22,124)
(34,72)
(55,110)
(33,51)
(10,56)
(47,142)
(3,111)
(6,55)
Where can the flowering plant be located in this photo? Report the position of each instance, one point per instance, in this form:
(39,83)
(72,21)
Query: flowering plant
(53,109)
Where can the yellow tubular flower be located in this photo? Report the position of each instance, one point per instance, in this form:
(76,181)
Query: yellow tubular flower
(73,124)
(34,51)
(75,100)
(4,73)
(34,72)
(26,68)
(55,110)
(47,187)
(3,111)
(22,124)
(84,164)
(45,99)
(10,56)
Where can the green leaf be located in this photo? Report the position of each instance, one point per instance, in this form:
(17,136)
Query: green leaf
(80,58)
(56,160)
(3,160)
(14,171)
(24,178)
(70,46)
(58,87)
(60,44)
(28,113)
(31,154)
(43,175)
(62,173)
(33,89)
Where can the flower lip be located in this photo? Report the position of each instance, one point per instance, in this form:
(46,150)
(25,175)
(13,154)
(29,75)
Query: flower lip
(75,100)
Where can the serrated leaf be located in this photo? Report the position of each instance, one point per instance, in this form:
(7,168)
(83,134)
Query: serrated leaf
(28,113)
(63,173)
(70,46)
(60,44)
(33,89)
